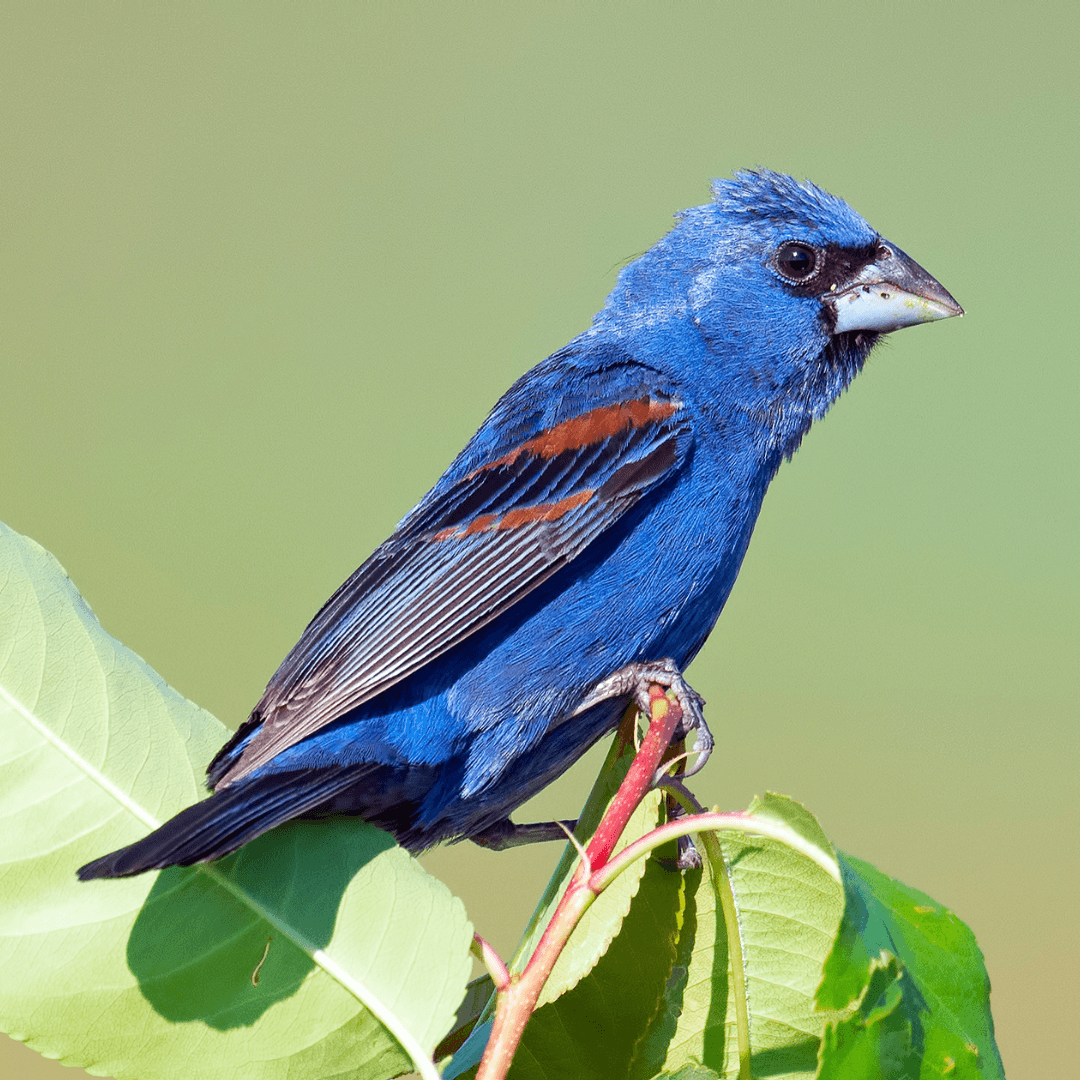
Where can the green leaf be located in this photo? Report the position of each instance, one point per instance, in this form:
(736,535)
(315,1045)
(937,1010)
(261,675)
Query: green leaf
(252,966)
(598,927)
(875,1043)
(467,1057)
(789,909)
(938,1005)
(904,994)
(786,811)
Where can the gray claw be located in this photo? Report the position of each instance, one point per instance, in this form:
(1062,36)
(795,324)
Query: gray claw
(703,747)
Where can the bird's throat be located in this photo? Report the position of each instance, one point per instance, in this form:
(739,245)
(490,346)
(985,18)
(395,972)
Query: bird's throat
(783,414)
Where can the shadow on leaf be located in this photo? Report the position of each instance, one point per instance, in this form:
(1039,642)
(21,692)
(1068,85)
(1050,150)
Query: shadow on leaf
(200,952)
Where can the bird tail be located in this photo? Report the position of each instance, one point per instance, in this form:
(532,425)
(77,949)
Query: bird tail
(220,824)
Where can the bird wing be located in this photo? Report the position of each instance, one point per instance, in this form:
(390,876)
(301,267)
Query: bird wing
(469,551)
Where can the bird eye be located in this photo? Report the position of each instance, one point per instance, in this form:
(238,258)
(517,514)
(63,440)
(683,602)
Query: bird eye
(797,262)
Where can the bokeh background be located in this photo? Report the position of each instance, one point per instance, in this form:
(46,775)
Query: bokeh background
(266,267)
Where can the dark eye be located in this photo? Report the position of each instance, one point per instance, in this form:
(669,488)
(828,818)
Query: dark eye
(797,262)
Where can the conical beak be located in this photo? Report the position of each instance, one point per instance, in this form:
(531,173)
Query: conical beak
(890,293)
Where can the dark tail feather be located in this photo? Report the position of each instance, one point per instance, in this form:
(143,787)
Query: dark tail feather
(220,824)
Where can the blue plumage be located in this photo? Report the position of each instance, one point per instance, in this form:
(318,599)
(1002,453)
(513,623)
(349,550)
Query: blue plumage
(595,522)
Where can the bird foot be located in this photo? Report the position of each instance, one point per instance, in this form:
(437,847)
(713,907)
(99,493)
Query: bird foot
(635,679)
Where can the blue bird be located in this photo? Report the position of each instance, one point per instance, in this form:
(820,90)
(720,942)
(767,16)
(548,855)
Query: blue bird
(580,547)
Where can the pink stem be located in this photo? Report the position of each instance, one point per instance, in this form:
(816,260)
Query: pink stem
(665,716)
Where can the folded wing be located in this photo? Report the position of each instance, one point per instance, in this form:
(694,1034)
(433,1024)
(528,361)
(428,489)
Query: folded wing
(471,550)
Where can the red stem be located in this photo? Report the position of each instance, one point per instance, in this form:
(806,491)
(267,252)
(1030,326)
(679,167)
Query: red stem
(518,999)
(665,715)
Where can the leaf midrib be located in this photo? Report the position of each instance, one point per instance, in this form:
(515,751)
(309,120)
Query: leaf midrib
(334,970)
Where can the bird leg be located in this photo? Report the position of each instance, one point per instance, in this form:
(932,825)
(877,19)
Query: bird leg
(507,834)
(634,681)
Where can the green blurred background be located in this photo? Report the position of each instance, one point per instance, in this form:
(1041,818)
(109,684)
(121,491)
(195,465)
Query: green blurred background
(266,267)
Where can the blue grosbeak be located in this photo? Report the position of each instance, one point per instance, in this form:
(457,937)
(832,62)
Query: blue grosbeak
(580,546)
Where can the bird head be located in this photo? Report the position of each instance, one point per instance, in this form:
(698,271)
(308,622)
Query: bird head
(787,288)
(816,248)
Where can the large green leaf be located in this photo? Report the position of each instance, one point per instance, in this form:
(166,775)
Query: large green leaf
(254,966)
(923,992)
(789,908)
